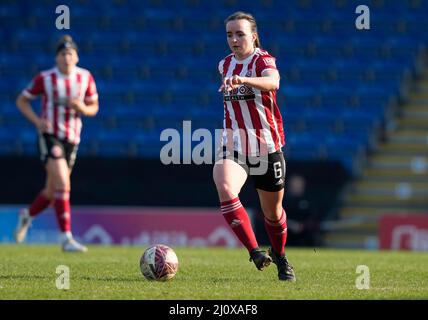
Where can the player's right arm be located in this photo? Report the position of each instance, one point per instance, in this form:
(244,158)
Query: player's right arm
(23,102)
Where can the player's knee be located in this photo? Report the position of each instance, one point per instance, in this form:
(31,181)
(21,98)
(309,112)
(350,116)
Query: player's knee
(225,190)
(48,192)
(62,183)
(273,213)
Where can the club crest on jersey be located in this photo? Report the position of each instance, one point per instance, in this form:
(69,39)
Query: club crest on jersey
(249,73)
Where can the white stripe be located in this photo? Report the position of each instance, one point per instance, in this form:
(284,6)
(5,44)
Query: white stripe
(84,85)
(265,134)
(251,132)
(47,79)
(84,74)
(79,130)
(233,207)
(230,206)
(234,125)
(220,66)
(224,135)
(83,88)
(73,95)
(226,212)
(60,84)
(272,108)
(231,210)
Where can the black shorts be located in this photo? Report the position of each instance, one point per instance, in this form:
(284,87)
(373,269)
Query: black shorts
(268,172)
(54,148)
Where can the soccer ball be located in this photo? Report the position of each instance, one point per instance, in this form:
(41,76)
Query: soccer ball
(159,262)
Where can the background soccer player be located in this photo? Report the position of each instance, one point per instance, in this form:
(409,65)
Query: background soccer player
(250,81)
(68,92)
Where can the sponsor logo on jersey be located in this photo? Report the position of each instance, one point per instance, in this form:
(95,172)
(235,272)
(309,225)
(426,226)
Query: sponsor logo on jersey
(269,62)
(240,93)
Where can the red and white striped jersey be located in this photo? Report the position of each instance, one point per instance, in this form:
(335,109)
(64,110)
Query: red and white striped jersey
(56,89)
(250,110)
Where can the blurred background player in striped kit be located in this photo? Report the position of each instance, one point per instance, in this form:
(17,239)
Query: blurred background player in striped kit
(68,93)
(250,82)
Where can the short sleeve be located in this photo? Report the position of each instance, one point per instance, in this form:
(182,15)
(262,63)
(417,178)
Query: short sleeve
(91,93)
(34,88)
(220,67)
(265,63)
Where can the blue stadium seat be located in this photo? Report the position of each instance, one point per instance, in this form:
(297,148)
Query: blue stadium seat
(155,64)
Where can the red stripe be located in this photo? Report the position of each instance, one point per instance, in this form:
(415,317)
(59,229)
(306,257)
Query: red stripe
(225,203)
(228,120)
(255,119)
(226,64)
(67,110)
(44,100)
(252,108)
(238,69)
(278,119)
(79,89)
(267,105)
(238,112)
(227,128)
(44,106)
(250,66)
(55,103)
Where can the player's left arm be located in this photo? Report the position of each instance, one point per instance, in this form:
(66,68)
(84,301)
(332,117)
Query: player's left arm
(269,81)
(88,109)
(89,106)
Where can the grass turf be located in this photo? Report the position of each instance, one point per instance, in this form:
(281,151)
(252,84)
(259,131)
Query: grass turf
(29,272)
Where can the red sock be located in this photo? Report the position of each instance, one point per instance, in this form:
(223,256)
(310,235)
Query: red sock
(39,204)
(277,232)
(238,220)
(62,209)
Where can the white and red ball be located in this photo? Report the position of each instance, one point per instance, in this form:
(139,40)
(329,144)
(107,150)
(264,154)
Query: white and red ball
(159,262)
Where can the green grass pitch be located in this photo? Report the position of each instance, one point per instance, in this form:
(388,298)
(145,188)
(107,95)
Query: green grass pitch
(29,272)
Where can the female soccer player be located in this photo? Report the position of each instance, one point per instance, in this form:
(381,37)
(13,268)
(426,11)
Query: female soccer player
(252,141)
(68,93)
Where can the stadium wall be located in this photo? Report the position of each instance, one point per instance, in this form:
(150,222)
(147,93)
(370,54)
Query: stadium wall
(148,183)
